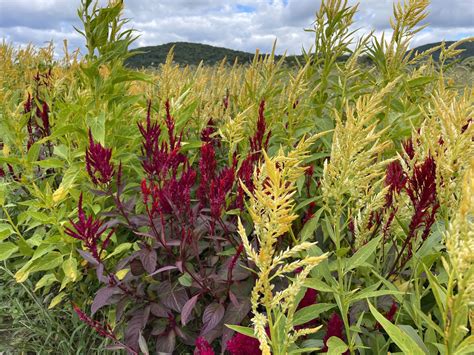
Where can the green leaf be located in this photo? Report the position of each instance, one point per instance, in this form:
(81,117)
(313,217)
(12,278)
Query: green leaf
(336,346)
(97,127)
(423,80)
(61,151)
(56,300)
(309,313)
(70,268)
(3,193)
(341,252)
(466,346)
(318,285)
(22,274)
(50,163)
(242,330)
(185,280)
(362,254)
(414,335)
(122,273)
(431,324)
(227,252)
(47,262)
(310,226)
(369,294)
(304,350)
(397,335)
(5,231)
(191,145)
(6,250)
(120,249)
(41,217)
(33,152)
(438,291)
(46,280)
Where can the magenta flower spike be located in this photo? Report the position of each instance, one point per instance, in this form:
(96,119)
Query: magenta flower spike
(89,231)
(98,164)
(203,347)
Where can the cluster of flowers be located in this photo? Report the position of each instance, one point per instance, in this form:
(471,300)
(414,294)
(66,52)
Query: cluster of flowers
(167,192)
(38,125)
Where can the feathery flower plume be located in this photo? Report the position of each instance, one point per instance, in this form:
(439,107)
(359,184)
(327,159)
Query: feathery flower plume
(241,344)
(271,209)
(89,231)
(203,347)
(28,104)
(104,331)
(207,132)
(44,115)
(220,186)
(207,167)
(310,297)
(160,159)
(174,141)
(335,328)
(98,164)
(395,179)
(257,143)
(421,188)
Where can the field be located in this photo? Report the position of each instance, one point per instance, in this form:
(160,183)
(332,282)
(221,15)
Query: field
(323,207)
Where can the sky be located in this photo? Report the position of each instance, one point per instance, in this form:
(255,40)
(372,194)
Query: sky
(237,24)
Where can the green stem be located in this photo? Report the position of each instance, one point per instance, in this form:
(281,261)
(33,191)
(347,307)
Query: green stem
(17,231)
(341,285)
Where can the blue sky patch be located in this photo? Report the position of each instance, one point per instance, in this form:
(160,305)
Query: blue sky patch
(244,8)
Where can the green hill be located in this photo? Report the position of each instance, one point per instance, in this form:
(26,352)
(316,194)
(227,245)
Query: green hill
(193,53)
(189,53)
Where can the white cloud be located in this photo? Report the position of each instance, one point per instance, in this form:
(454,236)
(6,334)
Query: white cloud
(244,24)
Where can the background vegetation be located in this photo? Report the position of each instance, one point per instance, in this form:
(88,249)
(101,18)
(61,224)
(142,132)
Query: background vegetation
(257,208)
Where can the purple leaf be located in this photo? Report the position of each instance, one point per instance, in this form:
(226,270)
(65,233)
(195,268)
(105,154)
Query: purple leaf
(212,316)
(234,300)
(121,307)
(158,310)
(130,204)
(132,332)
(165,343)
(173,297)
(134,327)
(148,259)
(88,257)
(188,309)
(100,273)
(164,268)
(102,297)
(238,272)
(111,223)
(234,315)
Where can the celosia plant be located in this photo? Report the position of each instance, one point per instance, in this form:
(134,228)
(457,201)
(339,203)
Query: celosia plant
(187,277)
(271,208)
(363,242)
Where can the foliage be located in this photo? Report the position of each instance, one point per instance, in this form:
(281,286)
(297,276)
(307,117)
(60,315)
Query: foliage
(255,208)
(28,325)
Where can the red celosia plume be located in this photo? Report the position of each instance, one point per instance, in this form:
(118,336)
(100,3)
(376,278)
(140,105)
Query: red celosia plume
(98,162)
